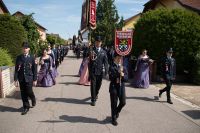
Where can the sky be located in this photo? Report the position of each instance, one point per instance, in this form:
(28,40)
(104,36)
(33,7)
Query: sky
(63,17)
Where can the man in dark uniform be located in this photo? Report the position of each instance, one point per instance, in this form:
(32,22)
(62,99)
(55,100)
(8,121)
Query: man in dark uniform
(98,59)
(168,70)
(55,51)
(117,88)
(26,74)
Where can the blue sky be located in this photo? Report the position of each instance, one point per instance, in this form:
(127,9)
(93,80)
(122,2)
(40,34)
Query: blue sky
(63,16)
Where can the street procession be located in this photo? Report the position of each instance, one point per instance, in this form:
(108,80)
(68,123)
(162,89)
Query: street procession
(117,66)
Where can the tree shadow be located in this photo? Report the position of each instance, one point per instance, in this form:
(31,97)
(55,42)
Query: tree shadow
(9,109)
(79,119)
(194,114)
(68,100)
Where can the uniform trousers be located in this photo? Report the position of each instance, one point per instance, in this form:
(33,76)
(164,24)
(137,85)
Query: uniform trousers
(26,89)
(96,81)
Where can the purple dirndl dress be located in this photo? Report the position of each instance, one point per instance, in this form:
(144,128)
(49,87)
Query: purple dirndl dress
(46,78)
(141,77)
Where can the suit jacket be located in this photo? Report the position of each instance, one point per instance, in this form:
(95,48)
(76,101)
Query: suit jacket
(96,66)
(168,68)
(25,69)
(114,76)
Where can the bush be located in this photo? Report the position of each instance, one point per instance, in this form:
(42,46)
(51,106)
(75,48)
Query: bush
(5,58)
(12,35)
(196,69)
(163,28)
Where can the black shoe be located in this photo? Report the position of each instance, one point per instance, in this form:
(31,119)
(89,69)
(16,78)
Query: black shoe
(114,122)
(160,93)
(93,103)
(169,101)
(25,111)
(117,115)
(33,104)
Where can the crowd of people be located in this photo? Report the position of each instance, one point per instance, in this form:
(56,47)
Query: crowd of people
(51,58)
(97,63)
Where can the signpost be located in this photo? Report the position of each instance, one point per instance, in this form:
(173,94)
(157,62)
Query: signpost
(123,42)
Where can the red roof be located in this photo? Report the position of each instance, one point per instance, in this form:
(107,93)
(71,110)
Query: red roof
(191,4)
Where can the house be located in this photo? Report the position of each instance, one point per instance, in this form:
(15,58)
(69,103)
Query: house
(41,29)
(130,22)
(3,8)
(191,5)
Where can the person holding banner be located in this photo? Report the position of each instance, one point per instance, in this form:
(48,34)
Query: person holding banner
(141,78)
(117,87)
(98,59)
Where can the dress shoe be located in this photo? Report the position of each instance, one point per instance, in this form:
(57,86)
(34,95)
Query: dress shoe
(93,103)
(169,101)
(33,104)
(114,122)
(24,112)
(160,93)
(117,115)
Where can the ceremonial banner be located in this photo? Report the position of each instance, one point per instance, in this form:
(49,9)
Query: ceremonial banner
(92,19)
(85,13)
(123,42)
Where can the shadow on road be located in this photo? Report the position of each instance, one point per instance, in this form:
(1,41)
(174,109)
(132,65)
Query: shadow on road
(9,109)
(69,76)
(15,95)
(194,114)
(145,98)
(68,100)
(79,119)
(70,83)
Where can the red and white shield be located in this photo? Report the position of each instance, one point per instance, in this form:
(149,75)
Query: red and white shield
(123,42)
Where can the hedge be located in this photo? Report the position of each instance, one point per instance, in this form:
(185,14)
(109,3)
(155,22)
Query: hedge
(5,58)
(12,35)
(160,29)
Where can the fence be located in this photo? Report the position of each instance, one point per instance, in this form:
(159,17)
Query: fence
(6,81)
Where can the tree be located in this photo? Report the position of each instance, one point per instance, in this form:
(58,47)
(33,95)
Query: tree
(5,58)
(55,39)
(12,35)
(32,32)
(163,28)
(107,21)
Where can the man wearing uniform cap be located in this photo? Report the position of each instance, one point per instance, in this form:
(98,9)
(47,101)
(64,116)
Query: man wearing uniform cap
(168,70)
(98,60)
(26,75)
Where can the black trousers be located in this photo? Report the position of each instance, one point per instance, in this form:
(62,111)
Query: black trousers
(96,81)
(57,63)
(115,95)
(26,89)
(167,89)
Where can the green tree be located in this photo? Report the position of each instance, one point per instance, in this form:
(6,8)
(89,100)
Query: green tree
(163,28)
(55,39)
(5,58)
(12,35)
(107,21)
(32,32)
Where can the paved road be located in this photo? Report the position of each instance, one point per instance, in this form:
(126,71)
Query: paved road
(65,108)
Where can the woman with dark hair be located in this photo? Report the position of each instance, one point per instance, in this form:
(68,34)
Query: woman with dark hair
(45,76)
(141,78)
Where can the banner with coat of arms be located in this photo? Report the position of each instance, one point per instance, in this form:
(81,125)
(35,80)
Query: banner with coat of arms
(123,42)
